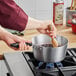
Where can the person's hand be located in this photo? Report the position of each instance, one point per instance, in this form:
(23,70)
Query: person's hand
(47,27)
(9,38)
(13,39)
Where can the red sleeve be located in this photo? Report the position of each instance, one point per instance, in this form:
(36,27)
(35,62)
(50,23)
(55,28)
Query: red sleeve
(12,16)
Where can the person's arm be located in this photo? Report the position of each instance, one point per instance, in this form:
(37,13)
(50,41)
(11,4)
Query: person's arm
(13,17)
(33,23)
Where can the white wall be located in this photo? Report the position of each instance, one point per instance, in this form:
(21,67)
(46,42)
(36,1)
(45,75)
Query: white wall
(40,9)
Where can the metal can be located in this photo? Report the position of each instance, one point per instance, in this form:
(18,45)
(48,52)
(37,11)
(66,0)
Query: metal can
(58,12)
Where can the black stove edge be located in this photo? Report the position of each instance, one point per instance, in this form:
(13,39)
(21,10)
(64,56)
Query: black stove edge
(29,64)
(8,74)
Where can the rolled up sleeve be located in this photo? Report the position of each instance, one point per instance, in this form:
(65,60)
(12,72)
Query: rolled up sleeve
(12,16)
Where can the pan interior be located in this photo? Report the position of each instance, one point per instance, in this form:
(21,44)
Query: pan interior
(45,39)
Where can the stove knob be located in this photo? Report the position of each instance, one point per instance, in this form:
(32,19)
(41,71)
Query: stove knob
(74,74)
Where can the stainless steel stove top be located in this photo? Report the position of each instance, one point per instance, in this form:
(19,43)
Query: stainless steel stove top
(24,64)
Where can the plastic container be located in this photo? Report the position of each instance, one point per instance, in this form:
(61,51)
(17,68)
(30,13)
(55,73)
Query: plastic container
(74,23)
(69,16)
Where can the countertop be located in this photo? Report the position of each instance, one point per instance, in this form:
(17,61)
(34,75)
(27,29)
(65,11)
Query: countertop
(61,30)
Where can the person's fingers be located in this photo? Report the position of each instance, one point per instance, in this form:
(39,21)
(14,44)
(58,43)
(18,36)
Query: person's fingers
(18,39)
(52,34)
(15,48)
(20,46)
(23,46)
(49,32)
(9,41)
(43,31)
(26,47)
(28,41)
(21,42)
(50,28)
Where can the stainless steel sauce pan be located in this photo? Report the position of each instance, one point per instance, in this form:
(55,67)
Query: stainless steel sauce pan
(47,53)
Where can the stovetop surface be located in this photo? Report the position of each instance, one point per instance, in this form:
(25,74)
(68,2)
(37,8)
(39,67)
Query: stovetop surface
(67,67)
(24,64)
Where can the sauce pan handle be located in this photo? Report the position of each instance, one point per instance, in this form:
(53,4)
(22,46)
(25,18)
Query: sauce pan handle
(16,45)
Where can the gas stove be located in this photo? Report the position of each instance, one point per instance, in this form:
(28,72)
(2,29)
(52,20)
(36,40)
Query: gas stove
(24,64)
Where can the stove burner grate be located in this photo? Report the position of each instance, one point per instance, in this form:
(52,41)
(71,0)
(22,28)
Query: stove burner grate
(48,65)
(60,67)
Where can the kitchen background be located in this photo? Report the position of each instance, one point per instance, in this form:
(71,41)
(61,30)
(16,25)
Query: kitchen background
(40,9)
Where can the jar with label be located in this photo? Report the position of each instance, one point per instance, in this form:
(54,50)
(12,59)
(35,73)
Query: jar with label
(74,23)
(58,9)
